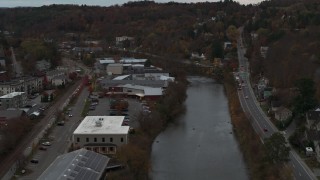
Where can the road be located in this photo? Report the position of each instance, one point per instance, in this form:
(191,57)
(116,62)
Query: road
(8,164)
(16,66)
(61,137)
(261,123)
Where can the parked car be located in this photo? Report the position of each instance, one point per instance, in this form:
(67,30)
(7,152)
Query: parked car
(35,161)
(47,143)
(61,123)
(42,148)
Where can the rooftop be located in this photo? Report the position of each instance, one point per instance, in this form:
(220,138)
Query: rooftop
(79,164)
(102,125)
(11,95)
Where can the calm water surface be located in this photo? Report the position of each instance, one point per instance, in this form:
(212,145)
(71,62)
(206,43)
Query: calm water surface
(200,145)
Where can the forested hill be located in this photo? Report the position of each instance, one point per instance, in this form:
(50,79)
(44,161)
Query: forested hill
(291,30)
(166,27)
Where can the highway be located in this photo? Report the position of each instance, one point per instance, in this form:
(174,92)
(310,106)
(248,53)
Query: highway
(261,123)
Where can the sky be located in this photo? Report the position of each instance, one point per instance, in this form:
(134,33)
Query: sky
(37,3)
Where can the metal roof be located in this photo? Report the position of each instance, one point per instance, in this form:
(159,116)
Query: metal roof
(81,164)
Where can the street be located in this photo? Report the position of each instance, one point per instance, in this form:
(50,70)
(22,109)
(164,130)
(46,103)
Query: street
(260,122)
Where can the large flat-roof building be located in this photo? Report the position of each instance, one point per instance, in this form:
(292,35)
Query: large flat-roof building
(77,165)
(102,134)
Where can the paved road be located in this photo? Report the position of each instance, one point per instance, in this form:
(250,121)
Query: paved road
(16,66)
(261,122)
(61,138)
(26,143)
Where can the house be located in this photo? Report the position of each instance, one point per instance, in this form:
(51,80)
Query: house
(53,73)
(43,65)
(59,80)
(282,114)
(313,119)
(275,105)
(264,51)
(227,45)
(3,63)
(102,134)
(120,41)
(79,164)
(267,92)
(13,100)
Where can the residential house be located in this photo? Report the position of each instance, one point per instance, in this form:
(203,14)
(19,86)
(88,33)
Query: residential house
(53,74)
(102,134)
(43,65)
(264,51)
(275,105)
(3,63)
(282,114)
(59,80)
(120,41)
(227,45)
(13,100)
(313,129)
(79,164)
(267,92)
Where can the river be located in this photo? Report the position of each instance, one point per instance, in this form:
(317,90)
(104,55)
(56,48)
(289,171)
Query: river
(200,145)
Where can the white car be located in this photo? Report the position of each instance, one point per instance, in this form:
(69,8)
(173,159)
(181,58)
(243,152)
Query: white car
(246,97)
(47,143)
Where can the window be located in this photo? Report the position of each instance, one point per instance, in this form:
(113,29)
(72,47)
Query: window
(103,149)
(95,139)
(78,139)
(111,139)
(121,139)
(111,149)
(103,140)
(87,139)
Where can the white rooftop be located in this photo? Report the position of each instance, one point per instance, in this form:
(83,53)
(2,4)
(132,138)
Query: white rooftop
(121,77)
(107,125)
(11,95)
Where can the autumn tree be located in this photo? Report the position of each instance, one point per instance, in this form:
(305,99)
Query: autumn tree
(232,33)
(277,148)
(305,100)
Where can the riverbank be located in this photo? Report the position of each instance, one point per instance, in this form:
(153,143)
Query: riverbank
(250,144)
(135,156)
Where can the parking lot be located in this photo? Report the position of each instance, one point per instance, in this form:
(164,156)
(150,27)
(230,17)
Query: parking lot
(60,137)
(103,109)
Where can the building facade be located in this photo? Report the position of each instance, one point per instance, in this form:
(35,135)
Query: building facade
(102,134)
(13,100)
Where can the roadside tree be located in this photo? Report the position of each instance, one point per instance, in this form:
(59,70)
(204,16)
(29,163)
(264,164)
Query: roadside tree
(277,149)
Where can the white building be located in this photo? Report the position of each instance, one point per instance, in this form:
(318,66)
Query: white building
(13,100)
(102,134)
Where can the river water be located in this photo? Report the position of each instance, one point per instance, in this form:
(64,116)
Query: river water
(200,145)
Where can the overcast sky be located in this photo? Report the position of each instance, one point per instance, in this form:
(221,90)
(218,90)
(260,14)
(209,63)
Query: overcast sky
(36,3)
